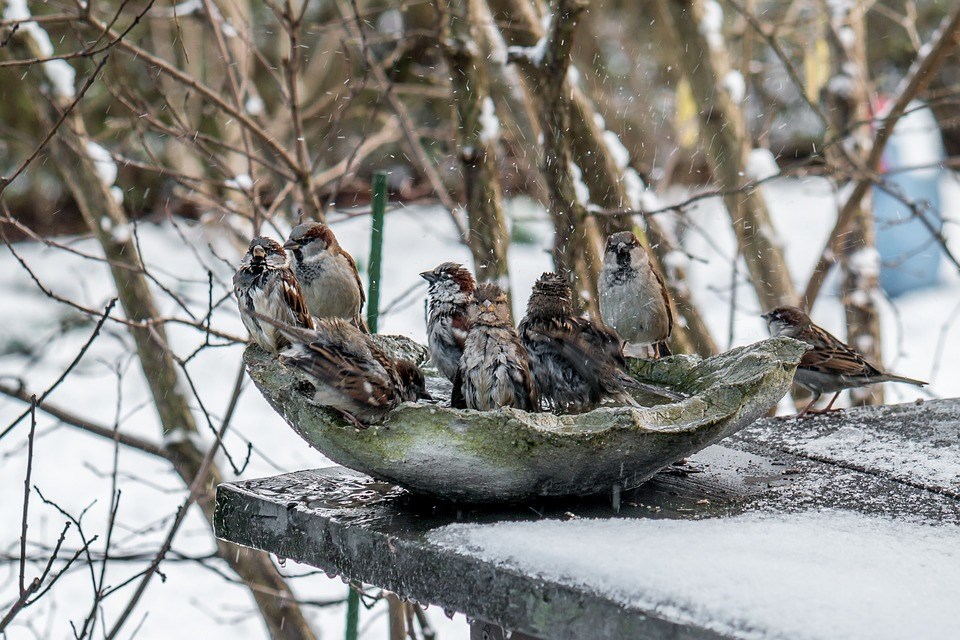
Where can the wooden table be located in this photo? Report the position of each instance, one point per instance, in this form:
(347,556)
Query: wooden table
(867,461)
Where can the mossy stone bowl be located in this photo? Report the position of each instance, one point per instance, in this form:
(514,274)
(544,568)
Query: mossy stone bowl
(510,455)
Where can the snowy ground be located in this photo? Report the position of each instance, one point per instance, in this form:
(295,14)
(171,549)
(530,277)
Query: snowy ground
(39,337)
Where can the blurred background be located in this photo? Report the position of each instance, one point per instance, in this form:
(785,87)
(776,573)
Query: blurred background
(767,152)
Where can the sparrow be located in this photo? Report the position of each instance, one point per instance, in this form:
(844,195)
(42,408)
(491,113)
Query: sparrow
(494,368)
(265,284)
(633,296)
(350,373)
(451,289)
(576,363)
(830,366)
(328,275)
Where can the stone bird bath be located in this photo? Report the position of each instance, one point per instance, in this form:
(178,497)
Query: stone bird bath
(509,455)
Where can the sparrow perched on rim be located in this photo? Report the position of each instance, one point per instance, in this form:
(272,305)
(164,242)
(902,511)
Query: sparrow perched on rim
(830,366)
(576,363)
(633,296)
(328,275)
(494,369)
(350,373)
(451,289)
(265,284)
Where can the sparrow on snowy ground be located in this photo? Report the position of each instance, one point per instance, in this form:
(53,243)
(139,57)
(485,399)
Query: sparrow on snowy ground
(265,284)
(328,275)
(494,369)
(577,363)
(633,297)
(350,373)
(450,293)
(830,366)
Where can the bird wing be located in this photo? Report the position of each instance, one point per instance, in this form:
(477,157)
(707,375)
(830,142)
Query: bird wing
(340,370)
(293,296)
(832,356)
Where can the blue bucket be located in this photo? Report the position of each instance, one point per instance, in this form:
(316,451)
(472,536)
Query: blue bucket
(910,255)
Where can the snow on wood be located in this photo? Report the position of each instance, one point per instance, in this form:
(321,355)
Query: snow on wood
(579,186)
(865,262)
(489,123)
(761,165)
(534,55)
(711,24)
(735,85)
(106,168)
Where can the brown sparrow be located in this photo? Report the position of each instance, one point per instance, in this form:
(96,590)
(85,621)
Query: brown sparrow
(633,296)
(450,294)
(350,373)
(577,363)
(264,284)
(328,275)
(494,369)
(830,366)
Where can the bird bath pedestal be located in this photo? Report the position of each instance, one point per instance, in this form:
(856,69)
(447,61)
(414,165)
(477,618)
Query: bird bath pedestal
(371,531)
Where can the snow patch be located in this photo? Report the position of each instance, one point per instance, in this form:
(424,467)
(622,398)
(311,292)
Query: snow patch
(579,187)
(865,262)
(841,85)
(241,182)
(735,85)
(711,24)
(117,194)
(535,53)
(17,10)
(489,123)
(103,163)
(62,78)
(633,184)
(848,37)
(254,105)
(676,261)
(761,165)
(818,574)
(619,153)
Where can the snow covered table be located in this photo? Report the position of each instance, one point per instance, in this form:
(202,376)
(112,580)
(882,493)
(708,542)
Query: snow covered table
(839,526)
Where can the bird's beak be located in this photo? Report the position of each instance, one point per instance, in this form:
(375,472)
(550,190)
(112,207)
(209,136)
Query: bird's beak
(291,245)
(429,276)
(765,316)
(259,253)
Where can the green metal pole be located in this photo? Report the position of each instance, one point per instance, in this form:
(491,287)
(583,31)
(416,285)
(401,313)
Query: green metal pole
(376,248)
(353,613)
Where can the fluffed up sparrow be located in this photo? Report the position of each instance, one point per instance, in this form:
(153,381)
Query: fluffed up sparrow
(451,289)
(494,369)
(830,366)
(633,297)
(577,363)
(265,284)
(328,275)
(350,373)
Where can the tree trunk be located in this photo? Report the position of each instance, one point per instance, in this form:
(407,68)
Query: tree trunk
(478,131)
(859,260)
(607,183)
(104,216)
(702,56)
